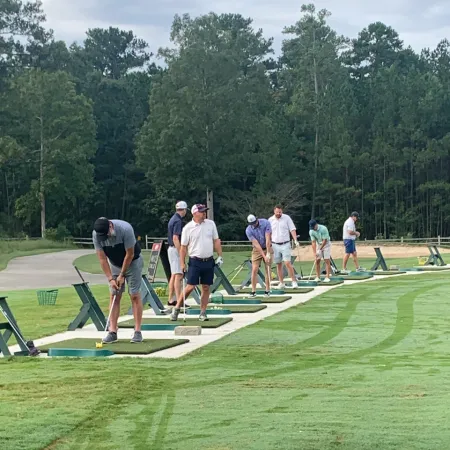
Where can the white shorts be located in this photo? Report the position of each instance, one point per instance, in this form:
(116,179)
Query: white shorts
(326,252)
(174,261)
(282,253)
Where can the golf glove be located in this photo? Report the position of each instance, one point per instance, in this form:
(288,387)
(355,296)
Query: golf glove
(267,256)
(319,254)
(219,261)
(296,243)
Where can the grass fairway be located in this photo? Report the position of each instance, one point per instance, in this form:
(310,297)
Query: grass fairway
(232,260)
(15,249)
(361,367)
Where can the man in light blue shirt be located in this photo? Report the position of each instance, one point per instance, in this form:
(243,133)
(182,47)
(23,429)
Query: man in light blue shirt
(259,234)
(321,245)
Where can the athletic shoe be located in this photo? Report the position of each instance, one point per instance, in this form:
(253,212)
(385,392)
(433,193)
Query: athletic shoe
(174,315)
(266,293)
(173,303)
(317,279)
(281,286)
(344,272)
(110,338)
(137,337)
(360,269)
(326,280)
(294,285)
(252,295)
(203,317)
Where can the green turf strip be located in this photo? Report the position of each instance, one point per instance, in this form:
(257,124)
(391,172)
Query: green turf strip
(356,277)
(121,347)
(432,268)
(211,323)
(388,272)
(275,299)
(241,308)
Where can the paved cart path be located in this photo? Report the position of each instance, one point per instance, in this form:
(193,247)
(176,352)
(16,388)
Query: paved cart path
(49,270)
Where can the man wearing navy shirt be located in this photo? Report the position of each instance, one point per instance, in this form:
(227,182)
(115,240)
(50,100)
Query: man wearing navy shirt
(175,228)
(259,233)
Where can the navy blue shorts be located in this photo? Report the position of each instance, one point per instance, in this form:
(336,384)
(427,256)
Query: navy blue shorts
(350,246)
(200,272)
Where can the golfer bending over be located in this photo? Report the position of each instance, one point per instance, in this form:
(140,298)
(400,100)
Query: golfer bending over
(282,229)
(321,245)
(199,238)
(258,232)
(349,236)
(120,259)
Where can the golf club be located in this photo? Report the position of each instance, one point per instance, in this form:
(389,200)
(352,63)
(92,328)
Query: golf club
(312,268)
(32,350)
(184,299)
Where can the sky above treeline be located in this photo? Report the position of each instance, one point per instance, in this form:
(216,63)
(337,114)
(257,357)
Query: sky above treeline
(420,24)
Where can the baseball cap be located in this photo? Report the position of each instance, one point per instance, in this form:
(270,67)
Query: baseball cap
(101,227)
(251,219)
(312,224)
(354,214)
(181,205)
(198,208)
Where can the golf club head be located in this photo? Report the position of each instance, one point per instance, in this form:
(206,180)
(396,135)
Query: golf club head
(34,351)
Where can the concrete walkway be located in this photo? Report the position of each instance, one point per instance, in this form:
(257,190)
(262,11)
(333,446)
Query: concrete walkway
(49,270)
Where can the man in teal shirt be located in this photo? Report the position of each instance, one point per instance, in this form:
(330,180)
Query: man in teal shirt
(321,245)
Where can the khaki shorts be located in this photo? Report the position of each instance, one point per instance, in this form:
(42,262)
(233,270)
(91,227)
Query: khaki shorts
(257,257)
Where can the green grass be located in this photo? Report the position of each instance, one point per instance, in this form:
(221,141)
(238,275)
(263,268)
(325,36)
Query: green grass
(232,260)
(15,249)
(120,347)
(361,367)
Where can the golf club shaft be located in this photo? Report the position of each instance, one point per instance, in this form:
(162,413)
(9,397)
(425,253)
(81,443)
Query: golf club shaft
(184,298)
(79,273)
(110,311)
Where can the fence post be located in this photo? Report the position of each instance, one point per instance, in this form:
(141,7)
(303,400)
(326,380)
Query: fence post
(146,242)
(439,240)
(401,240)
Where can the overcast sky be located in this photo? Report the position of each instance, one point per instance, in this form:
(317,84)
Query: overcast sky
(420,23)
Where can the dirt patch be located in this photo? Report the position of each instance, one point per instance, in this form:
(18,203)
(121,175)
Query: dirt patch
(304,253)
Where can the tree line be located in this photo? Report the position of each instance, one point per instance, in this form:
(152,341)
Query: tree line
(330,125)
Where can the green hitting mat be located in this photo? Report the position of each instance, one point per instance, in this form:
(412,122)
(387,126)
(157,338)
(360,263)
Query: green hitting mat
(388,272)
(276,299)
(213,322)
(121,347)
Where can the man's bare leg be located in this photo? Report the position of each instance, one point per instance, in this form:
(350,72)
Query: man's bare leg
(290,270)
(255,268)
(344,264)
(187,292)
(318,261)
(115,312)
(280,272)
(355,259)
(136,304)
(178,284)
(172,289)
(328,265)
(204,300)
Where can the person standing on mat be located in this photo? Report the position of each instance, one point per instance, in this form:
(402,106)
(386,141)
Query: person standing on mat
(259,234)
(349,236)
(199,239)
(175,228)
(282,229)
(120,259)
(321,246)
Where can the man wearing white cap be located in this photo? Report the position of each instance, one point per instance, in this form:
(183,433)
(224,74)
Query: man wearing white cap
(259,234)
(199,239)
(175,228)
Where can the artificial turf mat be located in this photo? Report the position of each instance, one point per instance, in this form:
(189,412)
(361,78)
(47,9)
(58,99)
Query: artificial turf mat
(356,277)
(121,347)
(241,308)
(211,323)
(276,299)
(432,268)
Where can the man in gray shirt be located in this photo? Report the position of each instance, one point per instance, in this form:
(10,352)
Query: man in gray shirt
(120,258)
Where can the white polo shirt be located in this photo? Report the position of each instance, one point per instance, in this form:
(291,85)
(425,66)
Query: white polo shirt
(281,228)
(199,238)
(349,225)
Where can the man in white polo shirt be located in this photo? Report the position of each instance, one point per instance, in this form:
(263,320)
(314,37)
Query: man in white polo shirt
(199,239)
(349,236)
(282,229)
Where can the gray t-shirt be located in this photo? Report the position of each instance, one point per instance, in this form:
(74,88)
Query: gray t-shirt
(115,246)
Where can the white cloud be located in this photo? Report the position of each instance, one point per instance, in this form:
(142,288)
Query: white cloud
(418,25)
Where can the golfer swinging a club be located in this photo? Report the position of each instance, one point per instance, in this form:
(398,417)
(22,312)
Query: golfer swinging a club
(120,259)
(321,246)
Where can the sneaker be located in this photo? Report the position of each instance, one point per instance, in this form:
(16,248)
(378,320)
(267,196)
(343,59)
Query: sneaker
(344,272)
(317,279)
(203,317)
(137,337)
(266,293)
(326,280)
(252,295)
(281,286)
(294,285)
(110,338)
(172,303)
(360,269)
(174,315)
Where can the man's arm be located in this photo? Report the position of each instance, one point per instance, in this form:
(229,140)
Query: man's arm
(258,247)
(176,242)
(218,246)
(183,251)
(292,229)
(177,235)
(268,241)
(129,255)
(104,264)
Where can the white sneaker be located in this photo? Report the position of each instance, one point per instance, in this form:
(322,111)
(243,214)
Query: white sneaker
(344,272)
(281,286)
(294,285)
(326,280)
(317,279)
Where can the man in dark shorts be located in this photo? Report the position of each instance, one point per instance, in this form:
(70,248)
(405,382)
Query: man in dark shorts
(199,239)
(120,259)
(349,235)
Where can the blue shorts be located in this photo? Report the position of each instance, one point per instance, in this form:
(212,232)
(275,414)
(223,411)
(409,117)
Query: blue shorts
(350,246)
(200,272)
